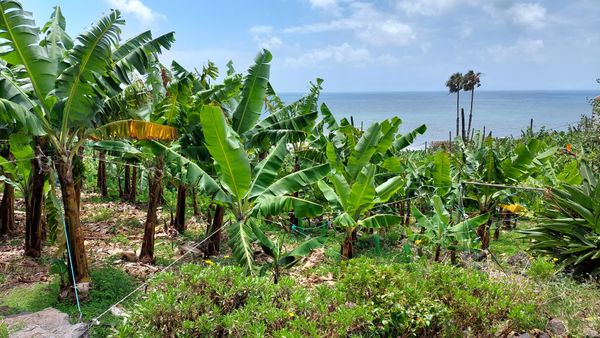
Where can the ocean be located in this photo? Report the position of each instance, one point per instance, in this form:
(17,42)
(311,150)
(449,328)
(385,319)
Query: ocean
(505,113)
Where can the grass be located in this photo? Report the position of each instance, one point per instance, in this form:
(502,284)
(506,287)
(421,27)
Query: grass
(577,303)
(100,215)
(120,239)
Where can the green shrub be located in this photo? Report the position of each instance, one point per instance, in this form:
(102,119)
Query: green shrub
(369,299)
(437,299)
(215,301)
(541,269)
(570,226)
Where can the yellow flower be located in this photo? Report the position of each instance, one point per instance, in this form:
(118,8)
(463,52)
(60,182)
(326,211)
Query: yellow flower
(291,314)
(418,242)
(555,259)
(209,262)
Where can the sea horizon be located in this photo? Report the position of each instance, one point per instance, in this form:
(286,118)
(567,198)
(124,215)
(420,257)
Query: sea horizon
(504,112)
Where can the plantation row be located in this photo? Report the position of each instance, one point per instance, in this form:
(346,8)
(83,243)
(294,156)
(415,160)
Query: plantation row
(256,160)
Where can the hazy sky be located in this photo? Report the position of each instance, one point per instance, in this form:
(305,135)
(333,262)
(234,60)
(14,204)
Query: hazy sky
(361,45)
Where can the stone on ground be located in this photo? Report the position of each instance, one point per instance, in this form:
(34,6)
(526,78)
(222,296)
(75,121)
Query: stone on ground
(46,323)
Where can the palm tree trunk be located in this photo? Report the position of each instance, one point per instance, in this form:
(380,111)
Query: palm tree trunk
(180,209)
(464,132)
(34,203)
(147,252)
(101,177)
(457,111)
(71,217)
(133,190)
(470,112)
(214,242)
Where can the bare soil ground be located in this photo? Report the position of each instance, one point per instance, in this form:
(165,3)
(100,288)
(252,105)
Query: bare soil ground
(110,229)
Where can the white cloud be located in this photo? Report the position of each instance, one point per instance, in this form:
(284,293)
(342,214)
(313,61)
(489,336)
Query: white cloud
(264,36)
(269,42)
(328,6)
(263,29)
(429,7)
(466,30)
(368,24)
(528,15)
(138,9)
(343,53)
(523,49)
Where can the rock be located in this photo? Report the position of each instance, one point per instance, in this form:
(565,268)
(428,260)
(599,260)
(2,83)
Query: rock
(524,335)
(129,256)
(589,333)
(117,311)
(46,323)
(556,327)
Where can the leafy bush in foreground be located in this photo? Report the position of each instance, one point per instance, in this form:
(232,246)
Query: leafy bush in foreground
(368,299)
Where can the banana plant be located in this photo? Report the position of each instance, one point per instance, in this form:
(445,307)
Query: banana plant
(281,259)
(352,190)
(440,230)
(56,89)
(248,191)
(488,161)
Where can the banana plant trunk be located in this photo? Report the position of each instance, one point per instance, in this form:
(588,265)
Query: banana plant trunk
(127,187)
(293,218)
(7,206)
(147,252)
(80,266)
(195,202)
(214,231)
(78,175)
(483,231)
(101,176)
(7,210)
(180,208)
(348,244)
(34,203)
(133,183)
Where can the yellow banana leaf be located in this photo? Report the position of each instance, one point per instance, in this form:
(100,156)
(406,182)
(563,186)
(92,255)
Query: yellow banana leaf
(514,208)
(136,130)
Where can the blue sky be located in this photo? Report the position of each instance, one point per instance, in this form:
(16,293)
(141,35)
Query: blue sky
(362,45)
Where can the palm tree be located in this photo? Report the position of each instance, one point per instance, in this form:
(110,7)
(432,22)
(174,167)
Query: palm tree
(471,80)
(64,86)
(455,85)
